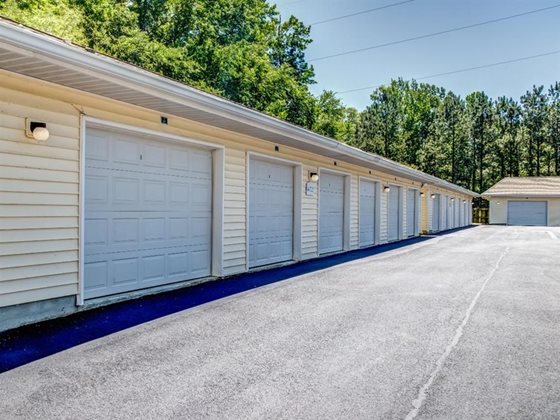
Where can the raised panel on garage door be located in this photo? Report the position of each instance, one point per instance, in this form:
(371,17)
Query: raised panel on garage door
(435,212)
(331,213)
(411,212)
(393,213)
(148,213)
(367,212)
(527,213)
(271,209)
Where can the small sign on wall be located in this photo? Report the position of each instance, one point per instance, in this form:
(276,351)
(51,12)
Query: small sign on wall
(311,189)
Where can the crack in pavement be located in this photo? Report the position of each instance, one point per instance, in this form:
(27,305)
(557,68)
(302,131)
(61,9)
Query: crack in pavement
(423,392)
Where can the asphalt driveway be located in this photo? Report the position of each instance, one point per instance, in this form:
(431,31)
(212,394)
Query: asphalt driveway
(465,325)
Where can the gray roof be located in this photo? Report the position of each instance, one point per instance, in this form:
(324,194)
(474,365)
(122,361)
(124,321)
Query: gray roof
(530,186)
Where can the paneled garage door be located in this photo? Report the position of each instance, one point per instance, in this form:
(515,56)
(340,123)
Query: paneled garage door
(367,212)
(527,213)
(435,212)
(331,219)
(411,212)
(147,212)
(271,212)
(393,213)
(449,210)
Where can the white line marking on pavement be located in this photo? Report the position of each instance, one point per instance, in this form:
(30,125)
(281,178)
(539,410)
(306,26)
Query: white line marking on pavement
(552,235)
(423,393)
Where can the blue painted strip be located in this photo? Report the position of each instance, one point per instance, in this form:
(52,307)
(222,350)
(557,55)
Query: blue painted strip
(26,344)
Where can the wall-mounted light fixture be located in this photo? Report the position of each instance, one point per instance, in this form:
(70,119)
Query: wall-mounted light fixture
(386,188)
(422,194)
(36,130)
(433,196)
(464,201)
(452,198)
(313,176)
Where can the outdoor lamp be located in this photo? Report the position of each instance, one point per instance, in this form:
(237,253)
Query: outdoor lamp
(36,130)
(386,189)
(422,194)
(433,196)
(313,176)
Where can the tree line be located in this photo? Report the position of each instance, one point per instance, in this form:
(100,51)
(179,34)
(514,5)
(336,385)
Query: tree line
(473,142)
(244,51)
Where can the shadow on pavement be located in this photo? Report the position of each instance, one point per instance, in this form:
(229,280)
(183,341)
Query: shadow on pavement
(26,344)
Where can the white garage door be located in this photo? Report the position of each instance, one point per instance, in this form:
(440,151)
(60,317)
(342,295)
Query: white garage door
(449,210)
(393,213)
(331,220)
(147,212)
(461,213)
(271,212)
(443,225)
(435,212)
(411,212)
(367,212)
(527,213)
(456,203)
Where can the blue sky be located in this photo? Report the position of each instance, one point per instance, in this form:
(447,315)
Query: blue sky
(520,37)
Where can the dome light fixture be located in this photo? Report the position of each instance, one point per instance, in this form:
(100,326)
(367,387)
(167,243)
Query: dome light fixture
(386,189)
(313,176)
(433,196)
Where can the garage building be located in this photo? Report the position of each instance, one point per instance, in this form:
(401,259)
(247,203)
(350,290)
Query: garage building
(145,184)
(525,201)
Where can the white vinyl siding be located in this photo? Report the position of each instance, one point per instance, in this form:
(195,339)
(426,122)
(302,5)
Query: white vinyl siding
(309,219)
(39,195)
(234,235)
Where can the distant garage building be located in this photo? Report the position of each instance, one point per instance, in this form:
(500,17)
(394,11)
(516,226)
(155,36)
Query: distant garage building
(144,184)
(525,201)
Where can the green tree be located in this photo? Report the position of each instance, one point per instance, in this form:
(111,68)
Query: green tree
(479,119)
(508,148)
(379,126)
(553,123)
(534,117)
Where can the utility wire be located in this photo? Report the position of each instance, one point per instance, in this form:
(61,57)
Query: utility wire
(387,6)
(433,34)
(499,63)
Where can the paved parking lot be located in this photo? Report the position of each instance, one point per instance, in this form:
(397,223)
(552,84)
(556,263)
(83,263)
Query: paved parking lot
(463,326)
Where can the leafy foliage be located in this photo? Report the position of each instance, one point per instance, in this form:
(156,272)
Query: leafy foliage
(243,51)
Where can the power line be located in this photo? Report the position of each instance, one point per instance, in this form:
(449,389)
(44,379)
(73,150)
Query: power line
(483,66)
(387,6)
(433,34)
